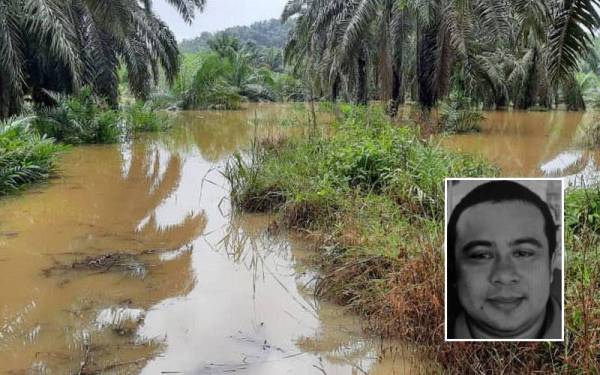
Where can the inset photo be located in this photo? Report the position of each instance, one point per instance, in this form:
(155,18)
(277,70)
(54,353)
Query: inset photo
(504,260)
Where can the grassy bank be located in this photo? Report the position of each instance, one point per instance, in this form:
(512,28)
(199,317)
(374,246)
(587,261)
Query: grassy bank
(372,195)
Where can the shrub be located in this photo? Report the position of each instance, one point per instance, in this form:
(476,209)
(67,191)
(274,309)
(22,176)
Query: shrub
(25,156)
(366,154)
(458,115)
(582,210)
(77,119)
(209,88)
(141,117)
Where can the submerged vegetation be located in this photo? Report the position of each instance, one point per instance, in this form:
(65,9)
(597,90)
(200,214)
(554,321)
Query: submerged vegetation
(459,115)
(372,195)
(25,156)
(28,145)
(143,117)
(79,119)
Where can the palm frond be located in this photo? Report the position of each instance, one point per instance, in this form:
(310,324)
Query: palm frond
(571,35)
(51,20)
(187,8)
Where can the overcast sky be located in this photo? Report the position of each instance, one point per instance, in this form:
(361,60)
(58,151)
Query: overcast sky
(218,15)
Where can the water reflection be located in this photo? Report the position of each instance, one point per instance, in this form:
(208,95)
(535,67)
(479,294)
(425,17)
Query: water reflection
(85,230)
(217,293)
(532,144)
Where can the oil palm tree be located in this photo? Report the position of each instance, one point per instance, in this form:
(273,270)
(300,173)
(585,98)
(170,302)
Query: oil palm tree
(62,45)
(455,42)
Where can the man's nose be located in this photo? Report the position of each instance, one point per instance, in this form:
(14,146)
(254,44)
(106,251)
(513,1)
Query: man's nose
(504,271)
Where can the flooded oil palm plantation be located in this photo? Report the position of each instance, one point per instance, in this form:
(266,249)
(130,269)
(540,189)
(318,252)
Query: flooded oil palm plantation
(132,262)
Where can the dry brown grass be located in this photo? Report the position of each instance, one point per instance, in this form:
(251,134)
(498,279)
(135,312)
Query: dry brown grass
(264,200)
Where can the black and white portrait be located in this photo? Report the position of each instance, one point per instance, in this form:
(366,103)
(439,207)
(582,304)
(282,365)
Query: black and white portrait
(504,270)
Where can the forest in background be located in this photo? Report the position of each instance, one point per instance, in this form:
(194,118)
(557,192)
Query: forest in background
(270,34)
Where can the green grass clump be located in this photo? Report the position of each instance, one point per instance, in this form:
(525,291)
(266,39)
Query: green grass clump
(79,119)
(372,194)
(373,185)
(582,210)
(142,117)
(25,156)
(366,155)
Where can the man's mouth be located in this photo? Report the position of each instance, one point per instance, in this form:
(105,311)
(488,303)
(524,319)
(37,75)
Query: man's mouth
(506,303)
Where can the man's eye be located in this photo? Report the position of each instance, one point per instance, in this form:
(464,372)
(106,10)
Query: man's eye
(522,253)
(479,255)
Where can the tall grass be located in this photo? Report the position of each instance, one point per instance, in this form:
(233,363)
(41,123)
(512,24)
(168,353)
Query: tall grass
(588,133)
(372,195)
(25,156)
(582,237)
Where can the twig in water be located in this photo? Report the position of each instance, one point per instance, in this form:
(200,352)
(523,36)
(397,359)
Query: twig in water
(84,360)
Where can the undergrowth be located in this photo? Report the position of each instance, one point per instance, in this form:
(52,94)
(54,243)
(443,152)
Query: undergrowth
(459,115)
(85,118)
(28,144)
(78,119)
(372,193)
(143,117)
(25,156)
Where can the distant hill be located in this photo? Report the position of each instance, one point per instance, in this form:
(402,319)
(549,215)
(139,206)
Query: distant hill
(271,33)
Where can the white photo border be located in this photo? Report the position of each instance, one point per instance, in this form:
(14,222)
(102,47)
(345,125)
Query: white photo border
(562,247)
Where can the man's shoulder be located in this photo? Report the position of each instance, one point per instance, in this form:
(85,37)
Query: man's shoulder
(553,330)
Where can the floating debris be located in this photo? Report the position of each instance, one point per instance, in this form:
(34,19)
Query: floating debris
(115,262)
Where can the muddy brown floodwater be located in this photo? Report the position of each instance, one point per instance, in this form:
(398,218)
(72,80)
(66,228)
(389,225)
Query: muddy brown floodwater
(131,262)
(533,144)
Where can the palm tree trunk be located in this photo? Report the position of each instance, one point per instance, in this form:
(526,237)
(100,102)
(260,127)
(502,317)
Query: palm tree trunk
(426,55)
(362,78)
(397,93)
(528,94)
(501,102)
(443,71)
(4,98)
(10,103)
(335,89)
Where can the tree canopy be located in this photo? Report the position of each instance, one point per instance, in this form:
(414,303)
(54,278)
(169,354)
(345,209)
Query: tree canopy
(53,45)
(519,51)
(270,34)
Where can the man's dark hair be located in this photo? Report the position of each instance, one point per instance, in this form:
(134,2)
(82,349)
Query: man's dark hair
(495,192)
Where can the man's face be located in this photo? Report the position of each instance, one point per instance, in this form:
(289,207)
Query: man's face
(503,266)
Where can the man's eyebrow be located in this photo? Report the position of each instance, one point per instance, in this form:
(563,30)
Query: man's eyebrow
(470,245)
(526,241)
